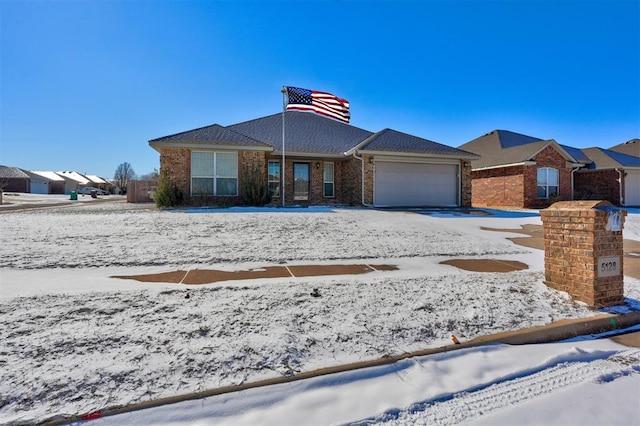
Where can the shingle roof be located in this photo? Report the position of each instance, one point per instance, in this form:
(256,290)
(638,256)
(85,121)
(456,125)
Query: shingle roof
(48,175)
(502,147)
(608,159)
(74,176)
(395,141)
(12,173)
(305,132)
(210,135)
(631,147)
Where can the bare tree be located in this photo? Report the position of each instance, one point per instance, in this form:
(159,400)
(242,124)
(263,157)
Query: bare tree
(124,173)
(154,175)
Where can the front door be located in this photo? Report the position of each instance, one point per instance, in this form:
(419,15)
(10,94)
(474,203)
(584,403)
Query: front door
(301,173)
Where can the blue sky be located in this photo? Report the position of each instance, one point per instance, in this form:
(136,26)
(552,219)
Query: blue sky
(86,84)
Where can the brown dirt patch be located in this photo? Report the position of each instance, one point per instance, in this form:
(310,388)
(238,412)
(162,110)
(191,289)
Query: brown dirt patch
(318,270)
(486,265)
(208,276)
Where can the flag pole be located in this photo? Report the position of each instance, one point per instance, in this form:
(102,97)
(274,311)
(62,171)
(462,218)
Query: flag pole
(284,105)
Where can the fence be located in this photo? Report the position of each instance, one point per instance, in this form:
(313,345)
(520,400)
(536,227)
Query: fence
(141,191)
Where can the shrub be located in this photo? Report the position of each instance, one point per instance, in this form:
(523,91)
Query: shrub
(255,190)
(168,194)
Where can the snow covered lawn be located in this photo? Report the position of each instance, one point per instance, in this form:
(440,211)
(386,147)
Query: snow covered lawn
(75,340)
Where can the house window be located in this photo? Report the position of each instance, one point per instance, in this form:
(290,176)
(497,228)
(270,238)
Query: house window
(214,173)
(329,187)
(274,177)
(547,182)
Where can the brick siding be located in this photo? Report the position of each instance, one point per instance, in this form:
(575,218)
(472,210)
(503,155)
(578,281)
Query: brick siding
(575,237)
(597,185)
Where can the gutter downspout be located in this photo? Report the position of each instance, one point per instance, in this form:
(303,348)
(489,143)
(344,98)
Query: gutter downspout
(575,169)
(362,180)
(620,196)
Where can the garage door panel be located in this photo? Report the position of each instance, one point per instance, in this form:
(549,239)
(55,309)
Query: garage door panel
(632,188)
(415,184)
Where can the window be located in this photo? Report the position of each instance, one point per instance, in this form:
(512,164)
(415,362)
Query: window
(274,177)
(214,173)
(329,187)
(547,182)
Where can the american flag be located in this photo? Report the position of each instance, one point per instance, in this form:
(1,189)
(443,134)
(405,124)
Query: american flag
(320,102)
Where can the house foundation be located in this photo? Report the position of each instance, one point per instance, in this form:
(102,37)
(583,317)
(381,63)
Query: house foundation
(583,255)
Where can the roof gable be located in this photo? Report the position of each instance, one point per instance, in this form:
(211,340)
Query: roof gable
(501,148)
(214,134)
(389,140)
(304,133)
(12,173)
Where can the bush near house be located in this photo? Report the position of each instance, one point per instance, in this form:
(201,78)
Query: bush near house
(255,190)
(168,194)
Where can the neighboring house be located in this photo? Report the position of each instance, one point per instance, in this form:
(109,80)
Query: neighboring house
(515,170)
(612,176)
(13,179)
(73,181)
(631,147)
(326,162)
(44,182)
(97,182)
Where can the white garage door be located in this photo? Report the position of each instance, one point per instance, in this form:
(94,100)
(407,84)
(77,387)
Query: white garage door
(415,184)
(632,188)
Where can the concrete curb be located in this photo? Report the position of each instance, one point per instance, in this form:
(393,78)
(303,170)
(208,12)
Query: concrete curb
(561,330)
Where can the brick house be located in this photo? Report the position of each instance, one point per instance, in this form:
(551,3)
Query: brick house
(13,179)
(613,176)
(325,162)
(515,170)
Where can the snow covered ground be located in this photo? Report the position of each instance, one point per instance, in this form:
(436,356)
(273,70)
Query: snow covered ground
(74,340)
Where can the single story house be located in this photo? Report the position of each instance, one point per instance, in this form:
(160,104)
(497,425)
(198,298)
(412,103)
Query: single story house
(516,170)
(13,179)
(44,182)
(325,162)
(73,181)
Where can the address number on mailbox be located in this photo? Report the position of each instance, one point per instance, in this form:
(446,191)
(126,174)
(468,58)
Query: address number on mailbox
(609,266)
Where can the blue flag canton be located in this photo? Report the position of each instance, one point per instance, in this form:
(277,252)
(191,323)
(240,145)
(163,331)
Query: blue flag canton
(299,96)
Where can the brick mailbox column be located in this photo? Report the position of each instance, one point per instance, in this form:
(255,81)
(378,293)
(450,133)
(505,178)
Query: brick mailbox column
(583,251)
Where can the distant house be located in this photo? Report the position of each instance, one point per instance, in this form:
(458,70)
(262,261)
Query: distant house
(516,170)
(98,182)
(73,181)
(326,162)
(13,179)
(44,182)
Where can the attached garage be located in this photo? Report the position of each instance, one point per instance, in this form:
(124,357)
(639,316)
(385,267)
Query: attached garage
(405,184)
(632,188)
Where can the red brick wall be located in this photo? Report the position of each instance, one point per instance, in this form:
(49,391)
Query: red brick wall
(465,184)
(575,237)
(177,163)
(597,185)
(501,187)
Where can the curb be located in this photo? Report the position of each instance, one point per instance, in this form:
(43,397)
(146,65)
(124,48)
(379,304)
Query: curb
(561,330)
